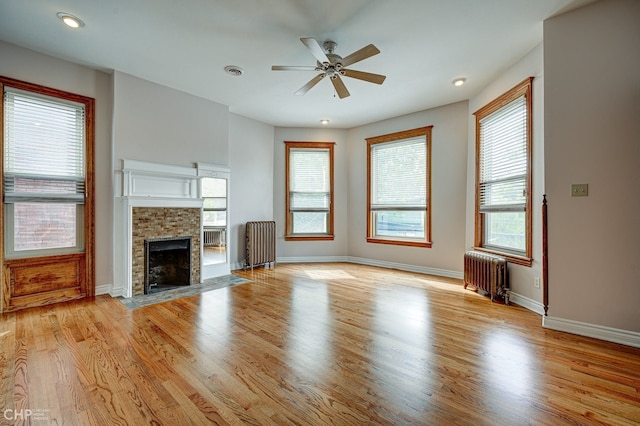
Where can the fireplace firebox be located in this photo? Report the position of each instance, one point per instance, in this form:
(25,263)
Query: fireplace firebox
(167,263)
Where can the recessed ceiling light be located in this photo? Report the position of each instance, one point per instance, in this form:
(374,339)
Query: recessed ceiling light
(324,121)
(459,81)
(233,70)
(70,20)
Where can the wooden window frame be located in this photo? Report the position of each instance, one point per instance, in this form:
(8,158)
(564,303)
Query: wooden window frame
(64,267)
(523,88)
(289,235)
(391,137)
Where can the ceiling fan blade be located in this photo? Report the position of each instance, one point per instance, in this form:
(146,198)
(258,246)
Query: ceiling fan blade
(292,68)
(315,80)
(359,55)
(341,89)
(317,51)
(366,76)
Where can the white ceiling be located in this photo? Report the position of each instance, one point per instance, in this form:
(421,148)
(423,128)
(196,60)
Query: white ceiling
(186,44)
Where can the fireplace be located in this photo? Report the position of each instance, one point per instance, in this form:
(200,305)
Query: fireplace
(167,263)
(161,223)
(159,202)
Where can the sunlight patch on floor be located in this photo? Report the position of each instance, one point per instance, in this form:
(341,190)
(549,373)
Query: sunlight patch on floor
(443,285)
(507,360)
(329,274)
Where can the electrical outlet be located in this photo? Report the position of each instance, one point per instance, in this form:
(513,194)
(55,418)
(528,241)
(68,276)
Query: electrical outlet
(536,282)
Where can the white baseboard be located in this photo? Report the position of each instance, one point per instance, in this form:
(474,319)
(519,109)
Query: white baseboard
(110,290)
(372,262)
(525,302)
(625,337)
(312,259)
(409,268)
(103,289)
(117,292)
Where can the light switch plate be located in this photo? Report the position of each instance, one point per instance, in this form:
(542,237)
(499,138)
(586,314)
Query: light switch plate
(579,189)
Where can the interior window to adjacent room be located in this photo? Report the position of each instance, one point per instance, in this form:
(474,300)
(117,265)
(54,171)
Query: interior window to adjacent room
(214,219)
(44,173)
(214,193)
(309,188)
(398,185)
(503,177)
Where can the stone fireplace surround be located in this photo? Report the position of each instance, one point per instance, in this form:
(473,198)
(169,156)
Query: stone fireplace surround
(163,222)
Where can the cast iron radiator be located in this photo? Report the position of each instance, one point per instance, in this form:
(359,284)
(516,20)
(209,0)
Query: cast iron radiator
(488,273)
(261,243)
(214,237)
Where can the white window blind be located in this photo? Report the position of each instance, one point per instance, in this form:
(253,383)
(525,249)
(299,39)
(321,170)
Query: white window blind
(503,159)
(399,175)
(214,192)
(43,149)
(309,180)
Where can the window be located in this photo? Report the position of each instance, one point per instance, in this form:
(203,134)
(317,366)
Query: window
(44,172)
(309,186)
(398,186)
(214,193)
(503,175)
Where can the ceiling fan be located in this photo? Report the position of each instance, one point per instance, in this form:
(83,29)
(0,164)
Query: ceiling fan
(334,66)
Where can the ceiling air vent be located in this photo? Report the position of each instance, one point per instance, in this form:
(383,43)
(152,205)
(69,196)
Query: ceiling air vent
(233,70)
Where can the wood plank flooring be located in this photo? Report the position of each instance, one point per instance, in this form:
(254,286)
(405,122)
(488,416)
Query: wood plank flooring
(312,344)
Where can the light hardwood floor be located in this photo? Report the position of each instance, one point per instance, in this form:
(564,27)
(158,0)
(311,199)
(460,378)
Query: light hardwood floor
(312,344)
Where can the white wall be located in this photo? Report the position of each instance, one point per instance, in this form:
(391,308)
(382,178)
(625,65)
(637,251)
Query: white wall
(251,192)
(521,278)
(592,135)
(312,250)
(158,124)
(448,184)
(27,65)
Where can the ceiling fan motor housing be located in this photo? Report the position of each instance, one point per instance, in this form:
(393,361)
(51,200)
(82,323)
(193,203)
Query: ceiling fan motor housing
(332,69)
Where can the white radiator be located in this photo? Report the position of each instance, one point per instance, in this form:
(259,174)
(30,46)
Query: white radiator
(214,237)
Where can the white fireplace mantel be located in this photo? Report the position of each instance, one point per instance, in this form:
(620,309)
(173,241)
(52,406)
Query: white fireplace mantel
(142,179)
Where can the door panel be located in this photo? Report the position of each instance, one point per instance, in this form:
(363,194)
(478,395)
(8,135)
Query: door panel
(38,281)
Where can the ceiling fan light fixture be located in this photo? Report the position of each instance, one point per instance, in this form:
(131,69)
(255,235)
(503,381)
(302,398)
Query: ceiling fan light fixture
(70,20)
(233,70)
(459,81)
